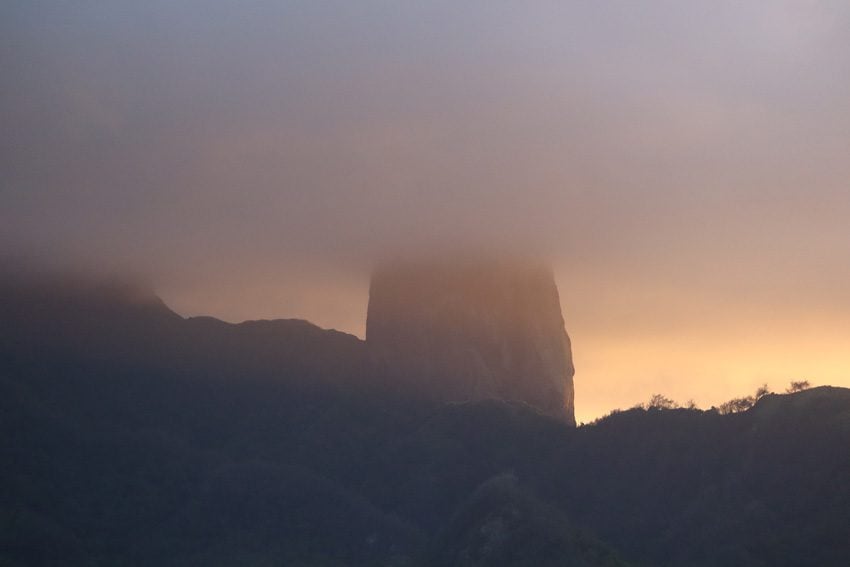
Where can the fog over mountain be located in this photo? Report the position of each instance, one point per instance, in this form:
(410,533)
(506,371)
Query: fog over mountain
(683,167)
(132,436)
(469,329)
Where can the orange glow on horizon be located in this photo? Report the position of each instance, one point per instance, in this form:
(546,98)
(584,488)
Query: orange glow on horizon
(626,346)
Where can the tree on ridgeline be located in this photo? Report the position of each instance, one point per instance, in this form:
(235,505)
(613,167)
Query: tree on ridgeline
(659,401)
(737,405)
(798,386)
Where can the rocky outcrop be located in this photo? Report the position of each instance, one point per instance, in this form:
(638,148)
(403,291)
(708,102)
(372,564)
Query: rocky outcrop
(470,330)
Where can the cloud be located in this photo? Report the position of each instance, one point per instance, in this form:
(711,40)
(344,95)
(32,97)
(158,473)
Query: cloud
(220,146)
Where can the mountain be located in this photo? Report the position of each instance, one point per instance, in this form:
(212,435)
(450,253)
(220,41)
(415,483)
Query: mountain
(126,327)
(472,329)
(132,436)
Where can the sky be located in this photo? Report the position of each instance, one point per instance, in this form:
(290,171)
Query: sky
(684,166)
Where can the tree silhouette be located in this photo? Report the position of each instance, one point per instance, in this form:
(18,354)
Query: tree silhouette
(798,386)
(659,401)
(737,405)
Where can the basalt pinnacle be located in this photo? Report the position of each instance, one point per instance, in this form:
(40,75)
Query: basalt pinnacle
(472,330)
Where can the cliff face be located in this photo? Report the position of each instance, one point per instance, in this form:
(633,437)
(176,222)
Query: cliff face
(459,331)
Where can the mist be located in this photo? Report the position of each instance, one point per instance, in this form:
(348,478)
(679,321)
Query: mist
(684,168)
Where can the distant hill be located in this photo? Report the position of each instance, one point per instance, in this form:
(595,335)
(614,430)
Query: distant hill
(133,436)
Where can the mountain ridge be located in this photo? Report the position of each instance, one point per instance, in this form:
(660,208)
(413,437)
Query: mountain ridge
(226,451)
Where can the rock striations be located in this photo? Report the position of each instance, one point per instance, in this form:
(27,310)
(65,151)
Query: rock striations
(461,330)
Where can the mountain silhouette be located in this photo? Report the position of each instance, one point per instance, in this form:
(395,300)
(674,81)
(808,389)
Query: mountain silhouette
(463,329)
(133,436)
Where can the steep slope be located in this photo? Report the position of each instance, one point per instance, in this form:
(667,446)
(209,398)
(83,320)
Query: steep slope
(472,329)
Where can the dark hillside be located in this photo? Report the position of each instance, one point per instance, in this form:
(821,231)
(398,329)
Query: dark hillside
(132,436)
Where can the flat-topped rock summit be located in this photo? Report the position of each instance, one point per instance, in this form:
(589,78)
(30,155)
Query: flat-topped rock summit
(470,330)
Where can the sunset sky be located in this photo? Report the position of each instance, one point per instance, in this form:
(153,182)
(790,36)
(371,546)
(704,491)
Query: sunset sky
(685,166)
